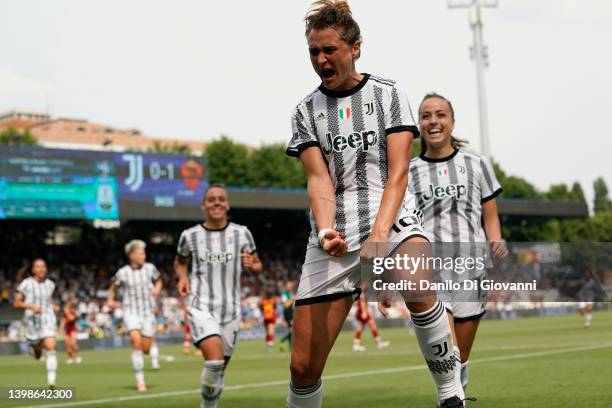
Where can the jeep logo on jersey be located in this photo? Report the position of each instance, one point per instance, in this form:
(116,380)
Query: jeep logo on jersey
(216,257)
(363,141)
(438,192)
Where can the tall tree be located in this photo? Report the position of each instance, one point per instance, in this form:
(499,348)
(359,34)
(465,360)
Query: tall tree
(13,137)
(577,193)
(602,200)
(271,167)
(228,162)
(558,192)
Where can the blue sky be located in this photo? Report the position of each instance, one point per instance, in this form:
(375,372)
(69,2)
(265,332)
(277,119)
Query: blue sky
(195,69)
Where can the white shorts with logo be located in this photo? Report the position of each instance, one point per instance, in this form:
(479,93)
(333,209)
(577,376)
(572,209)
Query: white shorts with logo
(40,326)
(203,325)
(326,278)
(583,305)
(144,324)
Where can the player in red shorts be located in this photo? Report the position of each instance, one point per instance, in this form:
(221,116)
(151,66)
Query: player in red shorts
(364,317)
(69,324)
(268,309)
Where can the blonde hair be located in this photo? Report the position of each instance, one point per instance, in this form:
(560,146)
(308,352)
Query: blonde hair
(134,245)
(333,14)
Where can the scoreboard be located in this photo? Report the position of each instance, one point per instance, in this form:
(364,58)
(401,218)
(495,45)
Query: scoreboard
(84,184)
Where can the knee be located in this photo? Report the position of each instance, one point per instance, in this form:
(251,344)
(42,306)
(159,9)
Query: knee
(304,374)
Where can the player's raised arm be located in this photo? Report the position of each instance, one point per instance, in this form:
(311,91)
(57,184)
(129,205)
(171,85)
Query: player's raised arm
(322,200)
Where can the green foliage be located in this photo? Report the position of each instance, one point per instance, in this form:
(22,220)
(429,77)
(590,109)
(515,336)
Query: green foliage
(601,201)
(577,193)
(173,148)
(271,167)
(228,163)
(416,148)
(599,227)
(12,137)
(515,187)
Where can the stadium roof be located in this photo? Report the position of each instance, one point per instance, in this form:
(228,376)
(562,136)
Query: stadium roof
(298,200)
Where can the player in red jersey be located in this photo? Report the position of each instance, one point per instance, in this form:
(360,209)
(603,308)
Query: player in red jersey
(268,309)
(364,317)
(69,325)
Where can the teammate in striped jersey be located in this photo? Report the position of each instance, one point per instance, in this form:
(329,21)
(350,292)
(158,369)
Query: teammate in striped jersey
(455,189)
(141,284)
(35,296)
(353,135)
(215,252)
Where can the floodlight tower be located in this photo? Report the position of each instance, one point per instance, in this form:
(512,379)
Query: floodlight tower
(479,54)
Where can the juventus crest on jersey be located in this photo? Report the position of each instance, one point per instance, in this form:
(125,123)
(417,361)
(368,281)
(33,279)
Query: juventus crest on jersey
(351,127)
(450,192)
(137,285)
(215,267)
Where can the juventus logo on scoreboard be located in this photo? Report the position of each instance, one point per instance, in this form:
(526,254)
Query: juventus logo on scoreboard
(369,108)
(134,180)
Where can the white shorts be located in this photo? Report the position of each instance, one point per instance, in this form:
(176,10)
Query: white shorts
(583,305)
(326,278)
(465,311)
(40,326)
(144,324)
(204,325)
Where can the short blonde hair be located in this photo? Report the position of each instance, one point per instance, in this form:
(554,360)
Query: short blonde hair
(134,245)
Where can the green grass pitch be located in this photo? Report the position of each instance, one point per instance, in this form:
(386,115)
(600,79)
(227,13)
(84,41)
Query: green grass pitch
(551,362)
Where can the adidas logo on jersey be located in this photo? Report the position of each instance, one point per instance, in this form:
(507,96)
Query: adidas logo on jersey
(216,257)
(438,192)
(339,143)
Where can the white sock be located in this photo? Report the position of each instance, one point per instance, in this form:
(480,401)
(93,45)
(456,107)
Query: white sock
(587,319)
(154,353)
(464,375)
(211,382)
(311,397)
(138,365)
(435,339)
(51,364)
(460,392)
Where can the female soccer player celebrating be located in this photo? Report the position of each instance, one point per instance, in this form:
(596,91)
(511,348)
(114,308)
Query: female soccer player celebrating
(455,216)
(353,135)
(215,252)
(35,296)
(142,284)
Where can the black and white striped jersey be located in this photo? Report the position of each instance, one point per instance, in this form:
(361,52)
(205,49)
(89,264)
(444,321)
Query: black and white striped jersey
(350,128)
(215,267)
(37,293)
(137,285)
(450,192)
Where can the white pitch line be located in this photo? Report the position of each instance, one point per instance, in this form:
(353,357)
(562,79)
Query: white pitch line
(326,378)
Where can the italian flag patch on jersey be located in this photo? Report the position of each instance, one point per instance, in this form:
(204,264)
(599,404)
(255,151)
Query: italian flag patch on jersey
(344,113)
